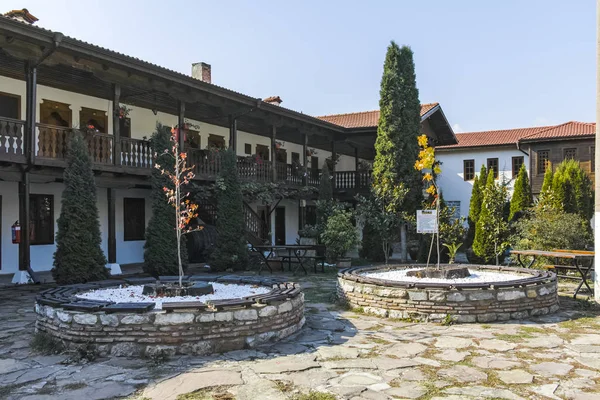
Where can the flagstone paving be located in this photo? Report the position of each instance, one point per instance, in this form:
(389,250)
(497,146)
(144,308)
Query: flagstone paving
(347,354)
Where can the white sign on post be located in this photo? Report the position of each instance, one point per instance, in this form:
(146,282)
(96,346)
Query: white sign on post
(427,221)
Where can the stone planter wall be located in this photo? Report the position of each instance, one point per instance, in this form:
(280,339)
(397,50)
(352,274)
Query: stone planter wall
(180,332)
(390,299)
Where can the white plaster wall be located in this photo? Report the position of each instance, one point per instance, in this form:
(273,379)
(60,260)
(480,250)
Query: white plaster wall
(42,255)
(452,183)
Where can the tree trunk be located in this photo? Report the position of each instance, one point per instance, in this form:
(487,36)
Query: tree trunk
(403,243)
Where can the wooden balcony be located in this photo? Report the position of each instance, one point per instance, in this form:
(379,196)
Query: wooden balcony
(134,156)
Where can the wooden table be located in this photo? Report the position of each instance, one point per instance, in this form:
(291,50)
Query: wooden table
(298,252)
(577,259)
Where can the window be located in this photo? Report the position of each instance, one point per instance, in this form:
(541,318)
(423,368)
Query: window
(517,162)
(295,158)
(311,215)
(248,148)
(55,113)
(455,207)
(469,170)
(281,156)
(570,153)
(134,219)
(93,119)
(492,165)
(263,152)
(593,158)
(216,141)
(543,161)
(314,163)
(125,127)
(192,139)
(10,105)
(41,219)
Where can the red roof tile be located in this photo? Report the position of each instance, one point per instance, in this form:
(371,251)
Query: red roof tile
(512,136)
(24,13)
(365,119)
(569,129)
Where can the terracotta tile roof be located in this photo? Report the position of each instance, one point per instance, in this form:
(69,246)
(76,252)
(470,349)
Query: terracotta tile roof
(569,129)
(365,119)
(273,99)
(512,136)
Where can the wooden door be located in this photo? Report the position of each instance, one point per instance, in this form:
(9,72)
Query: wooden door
(280,225)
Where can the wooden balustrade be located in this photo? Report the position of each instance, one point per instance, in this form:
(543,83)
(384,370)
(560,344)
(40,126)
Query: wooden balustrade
(356,180)
(100,147)
(250,169)
(11,137)
(136,153)
(52,141)
(254,224)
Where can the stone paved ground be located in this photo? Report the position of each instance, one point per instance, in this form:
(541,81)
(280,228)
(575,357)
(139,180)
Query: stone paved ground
(349,355)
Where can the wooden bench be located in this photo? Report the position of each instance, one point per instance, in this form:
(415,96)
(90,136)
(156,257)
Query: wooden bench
(557,268)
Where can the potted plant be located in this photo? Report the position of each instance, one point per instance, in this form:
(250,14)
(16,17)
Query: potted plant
(339,237)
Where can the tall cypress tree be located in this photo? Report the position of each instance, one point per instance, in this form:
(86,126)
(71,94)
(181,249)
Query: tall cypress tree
(230,250)
(475,204)
(78,257)
(492,229)
(398,128)
(160,249)
(522,198)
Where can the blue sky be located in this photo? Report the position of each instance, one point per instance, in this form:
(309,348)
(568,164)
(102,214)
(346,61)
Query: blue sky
(491,64)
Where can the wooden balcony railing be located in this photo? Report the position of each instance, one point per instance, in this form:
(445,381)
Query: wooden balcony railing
(136,153)
(11,137)
(356,180)
(52,144)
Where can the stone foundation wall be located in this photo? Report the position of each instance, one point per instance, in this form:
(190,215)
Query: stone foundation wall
(465,305)
(179,332)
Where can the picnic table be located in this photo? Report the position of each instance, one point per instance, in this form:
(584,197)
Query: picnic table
(294,251)
(581,262)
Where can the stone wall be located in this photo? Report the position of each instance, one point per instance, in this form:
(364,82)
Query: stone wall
(179,332)
(462,305)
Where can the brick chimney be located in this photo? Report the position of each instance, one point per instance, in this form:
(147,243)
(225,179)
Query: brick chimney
(275,100)
(201,71)
(22,16)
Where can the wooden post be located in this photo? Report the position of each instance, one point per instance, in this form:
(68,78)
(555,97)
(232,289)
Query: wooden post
(305,159)
(356,165)
(333,157)
(30,113)
(112,238)
(273,154)
(116,128)
(24,221)
(181,123)
(233,133)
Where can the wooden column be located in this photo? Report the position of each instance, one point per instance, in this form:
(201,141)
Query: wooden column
(24,221)
(273,153)
(30,113)
(181,123)
(356,165)
(116,127)
(305,158)
(233,133)
(112,237)
(333,157)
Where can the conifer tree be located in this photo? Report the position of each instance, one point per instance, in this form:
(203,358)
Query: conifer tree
(475,204)
(160,249)
(398,128)
(521,198)
(231,250)
(78,257)
(572,190)
(325,202)
(492,229)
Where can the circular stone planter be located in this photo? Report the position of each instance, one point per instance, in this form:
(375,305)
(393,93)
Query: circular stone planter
(137,329)
(532,293)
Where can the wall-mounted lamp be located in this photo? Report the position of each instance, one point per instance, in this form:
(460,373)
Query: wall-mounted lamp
(155,111)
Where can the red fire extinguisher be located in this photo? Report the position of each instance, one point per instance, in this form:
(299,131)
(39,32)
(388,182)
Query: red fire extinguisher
(16,232)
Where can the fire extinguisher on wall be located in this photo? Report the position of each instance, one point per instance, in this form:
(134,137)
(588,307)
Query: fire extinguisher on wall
(16,232)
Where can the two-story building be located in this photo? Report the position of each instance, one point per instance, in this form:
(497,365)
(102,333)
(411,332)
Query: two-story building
(504,151)
(51,85)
